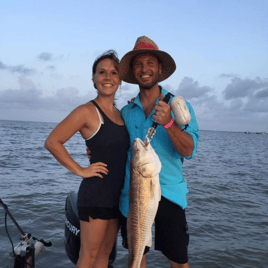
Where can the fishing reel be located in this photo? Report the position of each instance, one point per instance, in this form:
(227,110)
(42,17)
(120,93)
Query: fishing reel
(29,247)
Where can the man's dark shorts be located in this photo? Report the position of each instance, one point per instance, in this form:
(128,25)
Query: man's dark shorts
(171,232)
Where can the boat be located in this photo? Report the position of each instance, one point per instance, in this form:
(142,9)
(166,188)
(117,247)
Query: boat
(247,132)
(72,231)
(263,133)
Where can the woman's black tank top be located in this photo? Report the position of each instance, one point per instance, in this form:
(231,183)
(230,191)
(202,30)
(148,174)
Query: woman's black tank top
(109,145)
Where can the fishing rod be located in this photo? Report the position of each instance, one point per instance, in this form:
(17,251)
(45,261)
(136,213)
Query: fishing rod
(11,217)
(26,251)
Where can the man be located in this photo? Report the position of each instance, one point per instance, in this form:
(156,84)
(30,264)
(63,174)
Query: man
(146,66)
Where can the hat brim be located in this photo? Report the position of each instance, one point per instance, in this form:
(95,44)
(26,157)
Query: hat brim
(126,72)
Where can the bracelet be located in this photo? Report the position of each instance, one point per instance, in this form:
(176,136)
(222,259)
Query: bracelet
(168,125)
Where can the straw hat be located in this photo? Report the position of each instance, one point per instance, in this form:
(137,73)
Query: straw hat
(146,45)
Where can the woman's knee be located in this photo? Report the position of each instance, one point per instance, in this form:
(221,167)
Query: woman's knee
(88,256)
(106,250)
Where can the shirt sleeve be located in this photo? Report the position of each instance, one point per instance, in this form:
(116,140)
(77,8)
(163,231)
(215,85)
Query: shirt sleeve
(193,130)
(123,112)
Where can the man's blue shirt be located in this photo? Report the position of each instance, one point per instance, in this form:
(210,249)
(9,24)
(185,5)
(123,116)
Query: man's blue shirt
(173,185)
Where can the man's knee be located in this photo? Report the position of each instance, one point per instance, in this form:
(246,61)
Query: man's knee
(178,265)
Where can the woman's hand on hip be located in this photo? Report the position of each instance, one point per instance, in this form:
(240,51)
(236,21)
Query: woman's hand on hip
(94,170)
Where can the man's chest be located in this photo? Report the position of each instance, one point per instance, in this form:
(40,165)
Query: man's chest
(147,109)
(137,124)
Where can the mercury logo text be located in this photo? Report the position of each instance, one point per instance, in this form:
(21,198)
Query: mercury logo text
(72,228)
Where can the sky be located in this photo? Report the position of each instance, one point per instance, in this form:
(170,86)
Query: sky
(220,47)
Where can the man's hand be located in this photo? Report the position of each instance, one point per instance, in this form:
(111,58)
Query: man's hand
(88,154)
(162,113)
(132,100)
(181,140)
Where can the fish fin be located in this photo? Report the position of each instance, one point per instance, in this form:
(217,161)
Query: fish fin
(149,240)
(159,192)
(157,196)
(153,185)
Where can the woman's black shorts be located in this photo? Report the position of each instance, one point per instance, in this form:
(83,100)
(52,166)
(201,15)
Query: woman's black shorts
(98,213)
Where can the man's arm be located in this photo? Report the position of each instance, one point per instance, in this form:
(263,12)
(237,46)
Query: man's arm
(182,141)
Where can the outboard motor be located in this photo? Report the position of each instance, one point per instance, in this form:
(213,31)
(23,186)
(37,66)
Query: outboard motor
(72,231)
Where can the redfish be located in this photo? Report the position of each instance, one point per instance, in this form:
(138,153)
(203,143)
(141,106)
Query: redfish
(144,197)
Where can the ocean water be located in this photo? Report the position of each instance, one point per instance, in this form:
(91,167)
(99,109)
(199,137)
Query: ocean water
(227,209)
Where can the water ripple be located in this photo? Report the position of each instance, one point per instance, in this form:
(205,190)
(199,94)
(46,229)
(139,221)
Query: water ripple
(227,201)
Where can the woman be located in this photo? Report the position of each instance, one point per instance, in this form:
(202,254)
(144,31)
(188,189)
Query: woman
(103,129)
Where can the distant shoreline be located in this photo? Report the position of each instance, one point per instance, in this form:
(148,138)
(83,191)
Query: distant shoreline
(250,132)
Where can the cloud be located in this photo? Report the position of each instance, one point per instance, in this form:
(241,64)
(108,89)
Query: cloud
(17,69)
(30,97)
(20,99)
(26,83)
(244,105)
(226,75)
(48,57)
(247,112)
(190,89)
(21,69)
(3,66)
(236,105)
(262,94)
(51,67)
(45,56)
(251,94)
(240,88)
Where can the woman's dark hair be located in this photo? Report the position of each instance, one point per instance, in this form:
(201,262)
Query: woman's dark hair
(110,54)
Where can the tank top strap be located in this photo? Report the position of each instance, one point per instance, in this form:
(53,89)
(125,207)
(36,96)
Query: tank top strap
(100,110)
(99,115)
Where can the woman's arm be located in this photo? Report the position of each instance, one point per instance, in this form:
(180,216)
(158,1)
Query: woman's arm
(74,122)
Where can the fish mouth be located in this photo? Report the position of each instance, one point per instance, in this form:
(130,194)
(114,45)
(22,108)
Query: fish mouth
(138,145)
(143,163)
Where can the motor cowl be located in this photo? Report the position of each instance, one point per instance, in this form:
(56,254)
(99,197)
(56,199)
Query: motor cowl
(72,231)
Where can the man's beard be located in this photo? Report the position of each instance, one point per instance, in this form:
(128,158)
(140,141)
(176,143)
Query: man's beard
(148,86)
